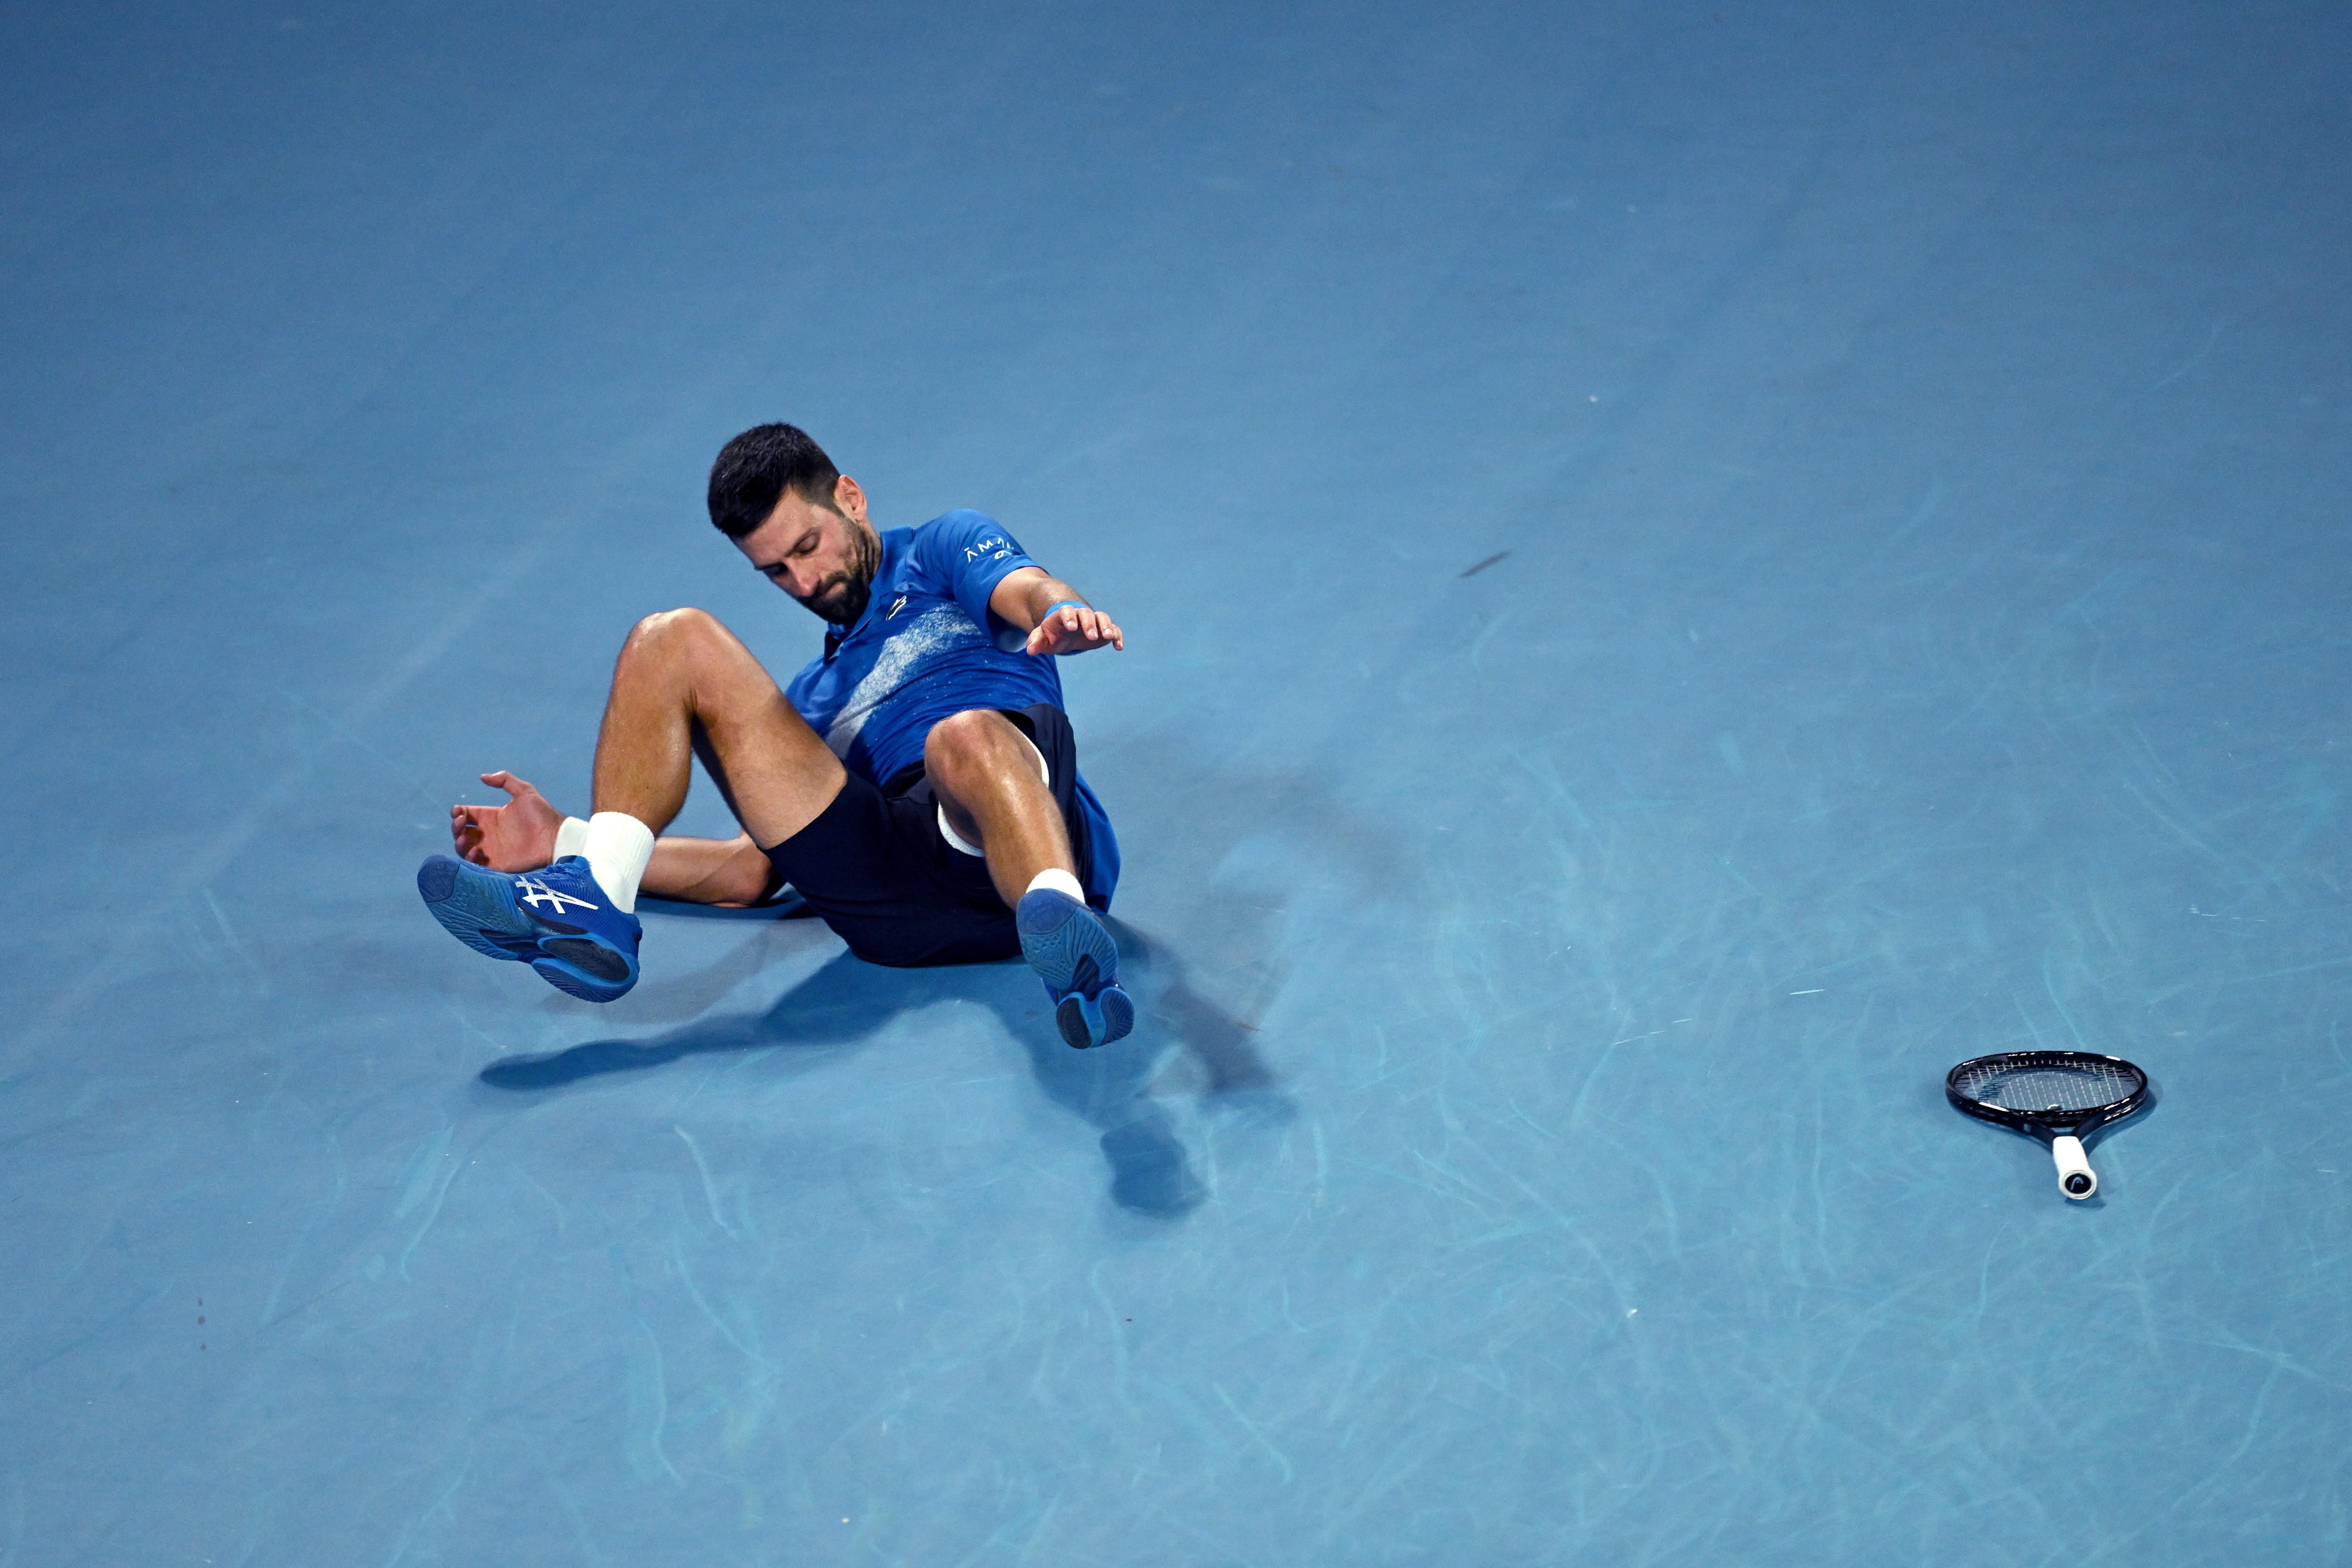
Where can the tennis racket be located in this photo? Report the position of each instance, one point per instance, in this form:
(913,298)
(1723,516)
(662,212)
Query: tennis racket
(2058,1097)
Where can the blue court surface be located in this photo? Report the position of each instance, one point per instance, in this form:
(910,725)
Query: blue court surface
(1686,567)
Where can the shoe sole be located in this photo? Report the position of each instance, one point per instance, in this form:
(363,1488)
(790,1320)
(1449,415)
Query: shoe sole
(1073,953)
(1085,1022)
(477,908)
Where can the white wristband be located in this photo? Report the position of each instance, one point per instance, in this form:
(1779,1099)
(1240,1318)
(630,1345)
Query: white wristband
(572,837)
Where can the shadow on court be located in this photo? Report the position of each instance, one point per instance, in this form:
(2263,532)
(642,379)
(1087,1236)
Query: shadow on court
(849,1001)
(1231,868)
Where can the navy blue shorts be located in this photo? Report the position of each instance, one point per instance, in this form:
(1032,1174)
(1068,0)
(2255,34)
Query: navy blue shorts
(873,866)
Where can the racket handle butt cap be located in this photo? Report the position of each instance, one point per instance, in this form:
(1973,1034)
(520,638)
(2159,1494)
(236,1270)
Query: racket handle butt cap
(2075,1177)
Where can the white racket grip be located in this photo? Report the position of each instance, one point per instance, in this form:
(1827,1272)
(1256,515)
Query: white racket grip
(2075,1177)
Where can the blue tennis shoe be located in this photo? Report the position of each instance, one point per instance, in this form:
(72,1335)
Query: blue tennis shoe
(558,921)
(1067,944)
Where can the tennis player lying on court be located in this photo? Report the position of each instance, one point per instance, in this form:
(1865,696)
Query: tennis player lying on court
(917,784)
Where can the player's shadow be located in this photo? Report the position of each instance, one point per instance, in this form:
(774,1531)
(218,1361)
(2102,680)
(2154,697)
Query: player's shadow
(1225,845)
(847,1002)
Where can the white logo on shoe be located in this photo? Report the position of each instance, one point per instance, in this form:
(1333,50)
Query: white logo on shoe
(537,894)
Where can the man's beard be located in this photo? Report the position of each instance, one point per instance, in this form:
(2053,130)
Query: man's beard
(842,597)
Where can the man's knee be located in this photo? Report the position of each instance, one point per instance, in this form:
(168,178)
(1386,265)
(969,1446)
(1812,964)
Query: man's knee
(964,737)
(676,634)
(978,740)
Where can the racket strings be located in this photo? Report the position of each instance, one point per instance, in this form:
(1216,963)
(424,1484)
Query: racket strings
(2074,1086)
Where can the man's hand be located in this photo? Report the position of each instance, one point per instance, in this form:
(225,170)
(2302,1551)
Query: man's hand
(517,836)
(1074,628)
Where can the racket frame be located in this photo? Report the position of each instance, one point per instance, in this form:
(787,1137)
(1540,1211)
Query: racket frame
(2061,1131)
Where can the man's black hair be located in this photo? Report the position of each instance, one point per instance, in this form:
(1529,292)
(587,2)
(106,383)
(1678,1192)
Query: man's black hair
(754,469)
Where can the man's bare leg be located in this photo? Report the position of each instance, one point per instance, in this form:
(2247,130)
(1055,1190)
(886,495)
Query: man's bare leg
(674,668)
(680,671)
(729,872)
(985,771)
(680,675)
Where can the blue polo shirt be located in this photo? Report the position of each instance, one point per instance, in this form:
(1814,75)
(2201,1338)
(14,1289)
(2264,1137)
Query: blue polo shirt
(928,647)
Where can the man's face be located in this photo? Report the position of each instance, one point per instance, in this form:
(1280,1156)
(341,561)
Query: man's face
(824,556)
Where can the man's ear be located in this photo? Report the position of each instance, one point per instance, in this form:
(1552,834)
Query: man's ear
(848,498)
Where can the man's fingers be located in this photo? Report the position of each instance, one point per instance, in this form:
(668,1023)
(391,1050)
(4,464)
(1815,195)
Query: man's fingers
(516,788)
(1075,629)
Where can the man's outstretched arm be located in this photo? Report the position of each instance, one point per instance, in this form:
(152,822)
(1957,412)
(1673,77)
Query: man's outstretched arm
(520,836)
(1024,597)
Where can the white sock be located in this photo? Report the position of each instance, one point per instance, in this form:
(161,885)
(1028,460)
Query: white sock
(569,837)
(617,847)
(1061,882)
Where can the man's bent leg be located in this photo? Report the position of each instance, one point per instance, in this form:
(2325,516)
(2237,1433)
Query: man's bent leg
(681,671)
(678,674)
(984,772)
